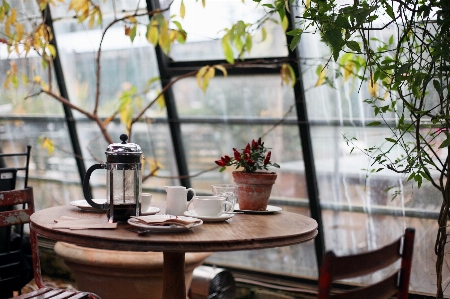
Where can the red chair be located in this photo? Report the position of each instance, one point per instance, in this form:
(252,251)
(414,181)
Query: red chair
(350,266)
(20,215)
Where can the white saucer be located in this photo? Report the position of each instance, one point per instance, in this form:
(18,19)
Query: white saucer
(150,211)
(270,209)
(85,206)
(161,228)
(223,217)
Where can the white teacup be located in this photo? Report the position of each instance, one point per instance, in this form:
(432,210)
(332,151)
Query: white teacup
(211,206)
(146,200)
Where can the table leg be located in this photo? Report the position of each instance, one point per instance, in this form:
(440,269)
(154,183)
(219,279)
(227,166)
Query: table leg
(173,276)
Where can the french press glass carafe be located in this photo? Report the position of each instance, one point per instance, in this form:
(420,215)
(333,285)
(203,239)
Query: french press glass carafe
(123,181)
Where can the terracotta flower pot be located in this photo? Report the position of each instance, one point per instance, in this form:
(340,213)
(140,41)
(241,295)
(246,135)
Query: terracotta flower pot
(254,189)
(113,274)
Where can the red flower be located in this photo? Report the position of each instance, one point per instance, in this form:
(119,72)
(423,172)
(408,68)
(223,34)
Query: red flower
(225,159)
(253,157)
(247,149)
(254,144)
(237,155)
(267,159)
(220,163)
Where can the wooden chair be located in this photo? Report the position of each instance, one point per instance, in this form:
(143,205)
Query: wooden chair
(335,268)
(24,200)
(13,237)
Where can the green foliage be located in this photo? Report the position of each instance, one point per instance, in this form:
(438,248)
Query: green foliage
(406,71)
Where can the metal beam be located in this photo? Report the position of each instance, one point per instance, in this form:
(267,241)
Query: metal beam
(71,124)
(305,137)
(172,114)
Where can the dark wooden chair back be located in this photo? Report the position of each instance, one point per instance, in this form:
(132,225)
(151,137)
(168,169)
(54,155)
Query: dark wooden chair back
(335,268)
(23,202)
(12,239)
(8,181)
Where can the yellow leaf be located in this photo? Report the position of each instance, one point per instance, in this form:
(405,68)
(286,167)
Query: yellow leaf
(12,17)
(173,35)
(7,29)
(288,74)
(201,72)
(203,3)
(321,78)
(220,67)
(37,79)
(348,70)
(19,31)
(52,50)
(132,19)
(208,75)
(13,67)
(126,114)
(182,10)
(152,35)
(227,50)
(7,82)
(24,79)
(160,101)
(91,21)
(44,86)
(373,88)
(285,23)
(164,37)
(153,164)
(48,144)
(308,3)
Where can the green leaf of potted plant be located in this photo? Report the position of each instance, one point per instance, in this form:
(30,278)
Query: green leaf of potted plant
(254,184)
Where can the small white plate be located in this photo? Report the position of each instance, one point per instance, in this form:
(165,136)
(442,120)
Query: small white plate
(222,217)
(162,228)
(150,211)
(270,209)
(85,206)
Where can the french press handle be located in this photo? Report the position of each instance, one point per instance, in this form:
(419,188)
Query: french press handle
(86,188)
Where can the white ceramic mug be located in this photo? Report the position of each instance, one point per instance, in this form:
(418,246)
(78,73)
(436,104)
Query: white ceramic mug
(211,206)
(146,200)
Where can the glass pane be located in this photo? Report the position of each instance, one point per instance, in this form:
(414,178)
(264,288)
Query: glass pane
(125,66)
(28,116)
(205,27)
(359,209)
(244,97)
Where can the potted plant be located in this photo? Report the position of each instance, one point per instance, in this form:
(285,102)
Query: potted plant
(254,184)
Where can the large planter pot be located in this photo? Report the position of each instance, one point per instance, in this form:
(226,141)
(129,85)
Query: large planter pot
(113,274)
(254,189)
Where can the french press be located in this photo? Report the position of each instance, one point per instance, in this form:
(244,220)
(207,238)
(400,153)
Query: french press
(123,181)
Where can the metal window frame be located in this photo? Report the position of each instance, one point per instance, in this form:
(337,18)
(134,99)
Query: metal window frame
(168,69)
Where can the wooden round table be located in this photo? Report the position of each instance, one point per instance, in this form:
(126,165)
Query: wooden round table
(242,232)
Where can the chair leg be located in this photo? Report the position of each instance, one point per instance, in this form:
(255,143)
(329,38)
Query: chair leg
(36,259)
